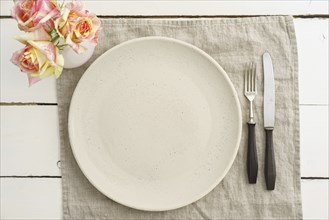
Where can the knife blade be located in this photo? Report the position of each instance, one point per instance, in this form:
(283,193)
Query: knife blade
(269,120)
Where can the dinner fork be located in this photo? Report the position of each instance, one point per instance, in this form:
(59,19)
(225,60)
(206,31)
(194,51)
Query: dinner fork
(250,91)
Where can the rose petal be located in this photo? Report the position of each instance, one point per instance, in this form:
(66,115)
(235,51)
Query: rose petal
(96,36)
(61,23)
(75,5)
(75,46)
(16,57)
(59,65)
(49,15)
(24,26)
(37,35)
(46,72)
(31,15)
(32,80)
(45,10)
(43,69)
(47,48)
(42,59)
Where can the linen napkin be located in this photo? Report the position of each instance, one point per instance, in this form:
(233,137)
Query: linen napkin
(232,42)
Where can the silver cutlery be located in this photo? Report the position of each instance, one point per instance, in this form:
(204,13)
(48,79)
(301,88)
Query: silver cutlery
(269,119)
(250,91)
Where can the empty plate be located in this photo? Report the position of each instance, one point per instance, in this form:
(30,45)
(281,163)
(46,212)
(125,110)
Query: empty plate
(155,123)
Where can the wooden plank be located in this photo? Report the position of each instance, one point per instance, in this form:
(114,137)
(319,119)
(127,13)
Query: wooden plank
(13,83)
(31,198)
(315,199)
(312,40)
(314,141)
(176,7)
(29,141)
(37,198)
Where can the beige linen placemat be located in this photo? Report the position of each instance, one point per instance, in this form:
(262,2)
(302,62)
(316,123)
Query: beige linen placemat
(232,42)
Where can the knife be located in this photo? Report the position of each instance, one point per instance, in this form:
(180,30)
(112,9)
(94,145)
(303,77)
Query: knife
(269,119)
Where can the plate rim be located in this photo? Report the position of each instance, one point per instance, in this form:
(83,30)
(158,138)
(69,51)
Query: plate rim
(235,96)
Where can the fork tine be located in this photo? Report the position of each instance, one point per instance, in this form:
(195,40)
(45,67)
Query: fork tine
(247,76)
(250,77)
(246,79)
(253,77)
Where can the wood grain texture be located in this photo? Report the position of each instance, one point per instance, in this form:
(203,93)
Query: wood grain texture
(314,141)
(29,141)
(312,43)
(176,7)
(315,199)
(30,199)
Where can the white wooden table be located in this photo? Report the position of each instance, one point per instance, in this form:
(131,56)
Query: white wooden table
(30,174)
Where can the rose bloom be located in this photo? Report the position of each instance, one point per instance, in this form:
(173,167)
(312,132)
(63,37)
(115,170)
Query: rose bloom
(77,25)
(39,59)
(33,14)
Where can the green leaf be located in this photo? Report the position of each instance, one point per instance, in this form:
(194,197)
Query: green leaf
(55,38)
(61,6)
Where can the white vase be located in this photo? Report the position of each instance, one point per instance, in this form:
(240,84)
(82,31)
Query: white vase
(73,60)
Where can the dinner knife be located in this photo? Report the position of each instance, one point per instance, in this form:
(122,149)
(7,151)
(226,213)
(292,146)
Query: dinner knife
(269,120)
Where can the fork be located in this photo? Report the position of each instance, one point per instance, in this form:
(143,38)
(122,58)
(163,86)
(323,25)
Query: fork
(250,91)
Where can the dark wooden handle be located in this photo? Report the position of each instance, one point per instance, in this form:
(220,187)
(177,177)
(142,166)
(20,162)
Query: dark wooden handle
(252,160)
(270,170)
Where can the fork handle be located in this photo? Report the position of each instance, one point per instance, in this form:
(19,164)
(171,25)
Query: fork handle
(270,169)
(252,161)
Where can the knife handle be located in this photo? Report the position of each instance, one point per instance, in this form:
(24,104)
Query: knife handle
(270,170)
(252,160)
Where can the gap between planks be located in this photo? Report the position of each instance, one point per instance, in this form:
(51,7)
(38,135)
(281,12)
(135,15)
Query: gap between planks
(26,104)
(197,16)
(45,176)
(25,177)
(55,104)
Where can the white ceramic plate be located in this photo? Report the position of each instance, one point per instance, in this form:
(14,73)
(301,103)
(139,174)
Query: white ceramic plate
(155,123)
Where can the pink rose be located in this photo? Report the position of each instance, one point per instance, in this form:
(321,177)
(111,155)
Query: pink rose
(33,14)
(37,35)
(39,59)
(77,25)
